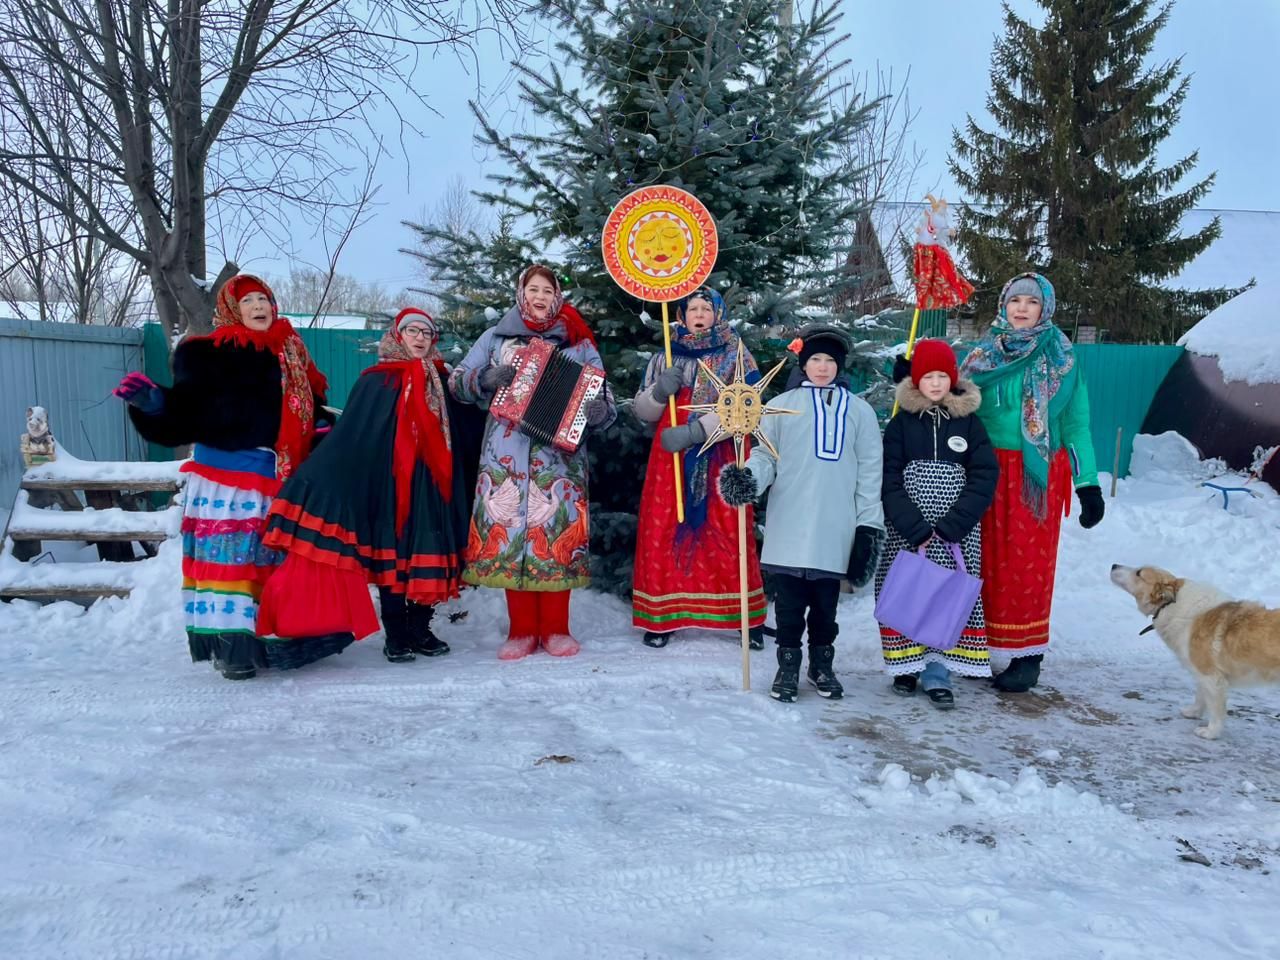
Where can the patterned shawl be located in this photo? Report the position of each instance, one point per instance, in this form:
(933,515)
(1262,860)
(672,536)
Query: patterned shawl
(718,347)
(1042,356)
(300,381)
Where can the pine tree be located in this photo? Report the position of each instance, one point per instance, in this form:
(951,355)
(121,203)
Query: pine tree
(715,96)
(1068,182)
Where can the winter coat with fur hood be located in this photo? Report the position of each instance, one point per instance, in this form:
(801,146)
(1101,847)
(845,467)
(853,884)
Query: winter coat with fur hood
(947,431)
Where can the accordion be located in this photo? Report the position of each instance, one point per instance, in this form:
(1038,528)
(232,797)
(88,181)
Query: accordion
(547,398)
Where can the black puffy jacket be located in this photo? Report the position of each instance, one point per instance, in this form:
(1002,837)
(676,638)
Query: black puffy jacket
(949,432)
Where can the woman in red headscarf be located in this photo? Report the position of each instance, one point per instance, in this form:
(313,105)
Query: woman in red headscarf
(382,501)
(249,398)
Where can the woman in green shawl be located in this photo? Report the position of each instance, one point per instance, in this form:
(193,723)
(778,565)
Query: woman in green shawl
(1036,409)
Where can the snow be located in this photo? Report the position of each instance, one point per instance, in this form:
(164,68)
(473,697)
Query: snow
(635,803)
(1244,334)
(68,467)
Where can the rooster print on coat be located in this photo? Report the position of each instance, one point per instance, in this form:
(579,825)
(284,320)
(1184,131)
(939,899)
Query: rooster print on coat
(530,526)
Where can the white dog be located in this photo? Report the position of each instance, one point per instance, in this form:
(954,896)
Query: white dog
(1223,642)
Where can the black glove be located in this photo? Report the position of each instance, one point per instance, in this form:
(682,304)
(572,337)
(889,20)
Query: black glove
(864,556)
(597,411)
(737,485)
(675,439)
(1092,506)
(901,368)
(491,378)
(667,385)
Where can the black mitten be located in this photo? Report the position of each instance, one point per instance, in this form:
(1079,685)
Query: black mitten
(867,543)
(1092,506)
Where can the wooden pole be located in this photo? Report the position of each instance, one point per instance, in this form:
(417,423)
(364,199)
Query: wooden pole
(671,406)
(742,589)
(911,342)
(1115,467)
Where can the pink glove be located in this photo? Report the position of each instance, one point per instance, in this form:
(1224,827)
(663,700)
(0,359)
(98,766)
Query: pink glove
(139,390)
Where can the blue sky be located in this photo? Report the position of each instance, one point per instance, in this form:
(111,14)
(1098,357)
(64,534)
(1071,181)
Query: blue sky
(1228,46)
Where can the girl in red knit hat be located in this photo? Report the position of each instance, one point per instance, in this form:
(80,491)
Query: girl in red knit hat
(939,477)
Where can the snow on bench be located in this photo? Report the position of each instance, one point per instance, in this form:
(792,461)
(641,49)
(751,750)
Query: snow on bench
(111,524)
(70,473)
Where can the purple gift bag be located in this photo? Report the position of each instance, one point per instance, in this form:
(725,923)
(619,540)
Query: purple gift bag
(926,602)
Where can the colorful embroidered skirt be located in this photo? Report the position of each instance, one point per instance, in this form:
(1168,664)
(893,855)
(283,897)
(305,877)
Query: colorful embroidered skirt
(934,486)
(1020,557)
(686,577)
(224,564)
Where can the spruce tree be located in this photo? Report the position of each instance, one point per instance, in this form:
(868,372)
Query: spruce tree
(1068,181)
(716,96)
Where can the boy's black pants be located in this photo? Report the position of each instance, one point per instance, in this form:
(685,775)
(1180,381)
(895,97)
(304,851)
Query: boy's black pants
(799,602)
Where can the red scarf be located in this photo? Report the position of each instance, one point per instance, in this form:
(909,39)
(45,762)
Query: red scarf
(300,381)
(422,416)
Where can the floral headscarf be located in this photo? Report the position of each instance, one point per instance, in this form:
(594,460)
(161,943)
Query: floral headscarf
(300,381)
(1043,357)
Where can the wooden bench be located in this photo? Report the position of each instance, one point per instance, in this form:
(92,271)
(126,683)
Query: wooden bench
(114,515)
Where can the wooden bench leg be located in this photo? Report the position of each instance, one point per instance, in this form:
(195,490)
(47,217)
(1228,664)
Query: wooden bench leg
(117,552)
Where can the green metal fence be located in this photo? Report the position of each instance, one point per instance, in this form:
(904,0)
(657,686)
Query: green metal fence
(1122,378)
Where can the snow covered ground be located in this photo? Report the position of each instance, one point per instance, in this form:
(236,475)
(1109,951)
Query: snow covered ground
(634,803)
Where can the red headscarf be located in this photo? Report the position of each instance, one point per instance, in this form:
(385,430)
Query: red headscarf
(422,415)
(300,381)
(576,329)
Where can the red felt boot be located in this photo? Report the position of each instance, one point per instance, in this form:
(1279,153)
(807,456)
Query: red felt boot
(522,638)
(553,623)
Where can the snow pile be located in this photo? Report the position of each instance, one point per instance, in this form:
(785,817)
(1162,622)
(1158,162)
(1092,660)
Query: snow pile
(1244,334)
(71,468)
(635,803)
(1171,458)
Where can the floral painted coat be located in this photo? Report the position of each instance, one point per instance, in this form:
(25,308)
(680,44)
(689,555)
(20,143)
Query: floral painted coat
(529,528)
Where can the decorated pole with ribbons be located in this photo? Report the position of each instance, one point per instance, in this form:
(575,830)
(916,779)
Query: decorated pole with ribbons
(659,245)
(939,285)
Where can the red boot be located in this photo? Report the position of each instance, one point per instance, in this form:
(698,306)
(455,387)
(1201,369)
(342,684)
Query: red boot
(553,624)
(522,638)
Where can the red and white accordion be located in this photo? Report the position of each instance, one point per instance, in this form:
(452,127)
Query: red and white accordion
(547,399)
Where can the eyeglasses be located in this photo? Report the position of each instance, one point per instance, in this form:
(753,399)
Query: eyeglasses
(418,333)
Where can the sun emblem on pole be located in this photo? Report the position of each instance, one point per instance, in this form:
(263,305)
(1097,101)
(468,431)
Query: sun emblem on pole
(740,407)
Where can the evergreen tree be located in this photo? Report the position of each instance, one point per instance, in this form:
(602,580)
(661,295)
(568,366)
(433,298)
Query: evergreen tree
(1068,182)
(716,96)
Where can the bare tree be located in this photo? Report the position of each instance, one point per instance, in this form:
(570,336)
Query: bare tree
(884,149)
(234,111)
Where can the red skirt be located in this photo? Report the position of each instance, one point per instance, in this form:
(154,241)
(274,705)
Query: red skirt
(1020,557)
(689,578)
(337,601)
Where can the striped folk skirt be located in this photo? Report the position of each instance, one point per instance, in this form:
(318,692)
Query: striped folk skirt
(224,564)
(933,486)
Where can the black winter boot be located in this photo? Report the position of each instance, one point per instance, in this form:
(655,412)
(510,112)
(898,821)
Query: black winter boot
(755,638)
(398,647)
(421,637)
(820,673)
(654,639)
(1023,674)
(786,682)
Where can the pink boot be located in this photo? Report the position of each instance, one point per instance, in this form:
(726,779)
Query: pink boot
(553,624)
(522,638)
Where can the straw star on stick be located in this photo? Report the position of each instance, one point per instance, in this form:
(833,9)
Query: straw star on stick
(740,407)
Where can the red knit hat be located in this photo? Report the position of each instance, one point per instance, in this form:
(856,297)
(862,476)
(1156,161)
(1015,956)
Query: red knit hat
(244,284)
(931,355)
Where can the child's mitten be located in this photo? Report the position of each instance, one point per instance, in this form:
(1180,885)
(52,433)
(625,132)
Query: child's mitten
(737,485)
(867,542)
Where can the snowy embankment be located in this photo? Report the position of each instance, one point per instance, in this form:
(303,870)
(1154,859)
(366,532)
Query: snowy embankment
(633,802)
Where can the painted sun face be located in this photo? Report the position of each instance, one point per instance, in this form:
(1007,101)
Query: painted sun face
(660,244)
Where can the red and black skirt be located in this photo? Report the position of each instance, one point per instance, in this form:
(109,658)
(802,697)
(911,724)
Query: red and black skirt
(336,518)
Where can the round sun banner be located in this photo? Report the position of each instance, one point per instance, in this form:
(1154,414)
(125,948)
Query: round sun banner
(660,243)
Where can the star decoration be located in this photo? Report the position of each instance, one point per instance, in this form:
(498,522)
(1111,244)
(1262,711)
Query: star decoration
(740,407)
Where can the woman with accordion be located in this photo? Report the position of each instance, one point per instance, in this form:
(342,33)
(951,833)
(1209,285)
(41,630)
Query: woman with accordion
(529,532)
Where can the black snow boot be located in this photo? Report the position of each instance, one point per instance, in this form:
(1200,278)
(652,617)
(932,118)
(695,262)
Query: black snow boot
(755,638)
(421,637)
(1023,674)
(820,673)
(786,682)
(658,640)
(398,648)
